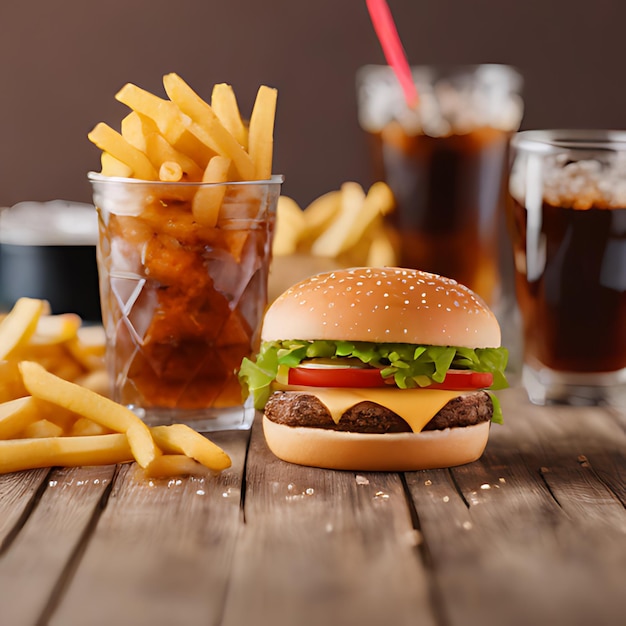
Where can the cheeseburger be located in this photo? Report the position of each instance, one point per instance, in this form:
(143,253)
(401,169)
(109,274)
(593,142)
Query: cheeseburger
(377,369)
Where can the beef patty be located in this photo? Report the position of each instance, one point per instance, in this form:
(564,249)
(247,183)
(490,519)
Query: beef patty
(297,408)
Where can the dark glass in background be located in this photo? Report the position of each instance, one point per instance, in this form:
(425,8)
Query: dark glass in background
(445,162)
(66,276)
(48,251)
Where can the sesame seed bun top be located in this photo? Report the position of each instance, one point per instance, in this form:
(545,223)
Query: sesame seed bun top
(382,305)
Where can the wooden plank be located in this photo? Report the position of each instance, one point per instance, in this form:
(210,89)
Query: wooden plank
(19,492)
(610,466)
(528,534)
(44,549)
(325,547)
(162,550)
(583,496)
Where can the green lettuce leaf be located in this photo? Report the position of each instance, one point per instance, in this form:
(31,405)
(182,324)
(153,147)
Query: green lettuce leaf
(497,417)
(410,365)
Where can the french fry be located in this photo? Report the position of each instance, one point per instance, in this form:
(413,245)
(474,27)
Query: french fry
(208,200)
(15,415)
(55,329)
(57,415)
(178,438)
(207,126)
(153,114)
(159,151)
(92,338)
(20,324)
(224,103)
(141,443)
(289,225)
(56,358)
(86,403)
(319,214)
(23,454)
(12,386)
(381,252)
(136,127)
(41,428)
(333,241)
(200,152)
(97,380)
(170,172)
(112,142)
(170,465)
(88,347)
(378,201)
(142,132)
(110,166)
(261,132)
(163,113)
(381,196)
(84,427)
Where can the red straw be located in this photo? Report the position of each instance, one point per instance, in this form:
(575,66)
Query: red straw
(392,47)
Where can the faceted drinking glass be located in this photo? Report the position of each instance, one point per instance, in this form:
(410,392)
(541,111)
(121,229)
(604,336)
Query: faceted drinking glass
(183,285)
(567,206)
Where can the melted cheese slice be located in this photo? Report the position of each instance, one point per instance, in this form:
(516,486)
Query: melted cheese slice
(415,406)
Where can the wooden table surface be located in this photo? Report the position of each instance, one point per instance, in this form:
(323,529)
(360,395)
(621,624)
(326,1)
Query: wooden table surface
(533,533)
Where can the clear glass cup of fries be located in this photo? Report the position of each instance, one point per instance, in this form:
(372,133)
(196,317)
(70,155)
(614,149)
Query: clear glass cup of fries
(182,299)
(186,206)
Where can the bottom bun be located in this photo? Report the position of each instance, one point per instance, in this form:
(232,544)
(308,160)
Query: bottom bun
(395,452)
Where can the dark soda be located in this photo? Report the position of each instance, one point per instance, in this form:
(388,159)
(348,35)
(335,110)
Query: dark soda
(571,286)
(449,194)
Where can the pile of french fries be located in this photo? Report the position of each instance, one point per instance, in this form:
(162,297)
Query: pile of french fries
(184,138)
(50,413)
(342,228)
(60,343)
(345,225)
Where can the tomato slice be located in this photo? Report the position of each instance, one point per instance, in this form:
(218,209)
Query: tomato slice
(457,380)
(336,377)
(461,380)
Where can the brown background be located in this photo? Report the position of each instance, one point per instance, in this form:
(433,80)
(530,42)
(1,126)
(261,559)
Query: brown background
(63,60)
